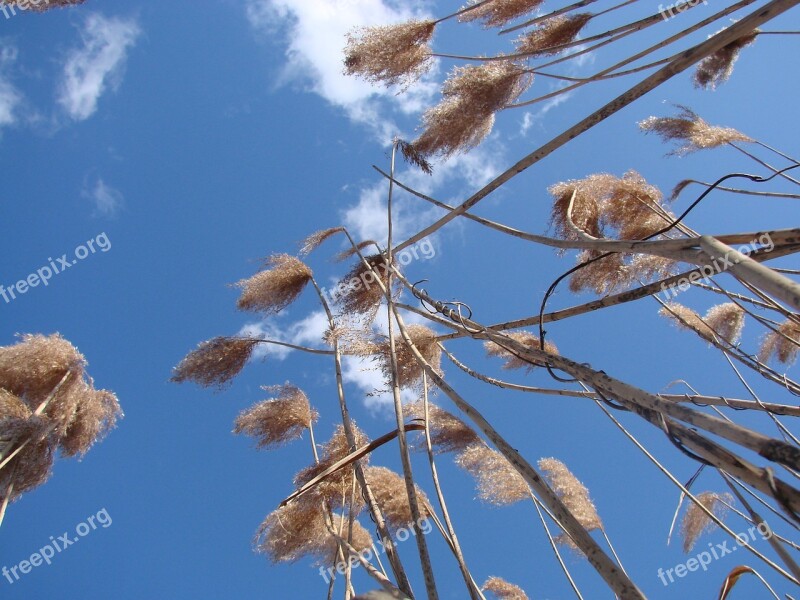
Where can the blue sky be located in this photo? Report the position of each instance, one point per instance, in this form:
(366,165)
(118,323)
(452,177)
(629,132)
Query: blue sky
(197,138)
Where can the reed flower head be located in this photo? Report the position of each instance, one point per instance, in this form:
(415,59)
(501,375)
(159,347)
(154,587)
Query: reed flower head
(497,481)
(693,131)
(390,54)
(361,294)
(724,321)
(448,432)
(272,290)
(585,213)
(572,492)
(36,364)
(696,521)
(409,371)
(278,420)
(783,344)
(215,362)
(503,589)
(96,414)
(391,495)
(555,32)
(470,97)
(33,465)
(600,276)
(513,361)
(299,529)
(315,240)
(497,13)
(718,67)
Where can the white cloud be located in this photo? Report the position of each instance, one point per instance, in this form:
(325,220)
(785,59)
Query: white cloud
(107,200)
(306,332)
(97,64)
(315,30)
(10,97)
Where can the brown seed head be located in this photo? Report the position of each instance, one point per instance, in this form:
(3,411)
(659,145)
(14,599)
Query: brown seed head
(315,240)
(572,493)
(498,13)
(353,250)
(512,360)
(727,320)
(497,481)
(278,420)
(215,362)
(503,589)
(96,413)
(585,213)
(391,495)
(409,371)
(718,67)
(546,39)
(390,54)
(33,465)
(684,317)
(273,290)
(777,345)
(689,128)
(696,521)
(358,293)
(601,276)
(35,365)
(448,432)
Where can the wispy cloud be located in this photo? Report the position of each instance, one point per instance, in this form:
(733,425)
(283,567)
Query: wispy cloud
(10,97)
(314,33)
(97,65)
(107,201)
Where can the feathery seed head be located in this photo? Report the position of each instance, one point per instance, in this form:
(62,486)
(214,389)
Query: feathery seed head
(503,589)
(448,432)
(391,495)
(585,213)
(96,413)
(498,13)
(572,492)
(554,32)
(776,343)
(215,362)
(278,420)
(689,128)
(272,290)
(601,276)
(33,465)
(361,294)
(497,481)
(696,521)
(315,240)
(718,67)
(409,371)
(684,317)
(390,54)
(727,320)
(512,360)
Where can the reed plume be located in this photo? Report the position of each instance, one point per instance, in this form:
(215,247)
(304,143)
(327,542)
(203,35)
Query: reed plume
(33,465)
(512,360)
(278,420)
(390,54)
(358,293)
(695,133)
(696,521)
(718,67)
(470,97)
(390,492)
(775,343)
(96,414)
(504,590)
(497,13)
(448,432)
(548,38)
(573,494)
(272,290)
(215,362)
(723,321)
(497,481)
(316,239)
(409,371)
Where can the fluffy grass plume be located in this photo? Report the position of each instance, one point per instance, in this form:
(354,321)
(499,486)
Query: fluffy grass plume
(272,290)
(512,361)
(723,321)
(498,13)
(215,362)
(693,131)
(781,344)
(315,240)
(572,492)
(448,432)
(497,481)
(358,293)
(696,521)
(390,492)
(390,54)
(278,420)
(504,590)
(409,371)
(718,67)
(546,39)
